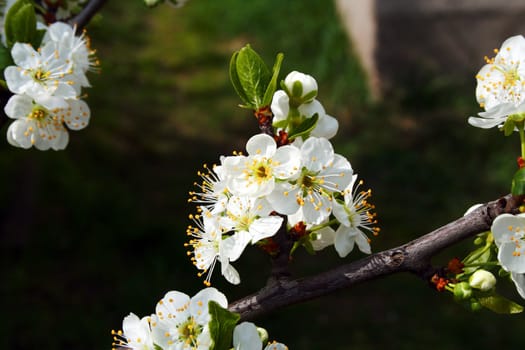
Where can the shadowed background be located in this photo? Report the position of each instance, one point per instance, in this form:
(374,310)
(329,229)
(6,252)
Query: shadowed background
(92,233)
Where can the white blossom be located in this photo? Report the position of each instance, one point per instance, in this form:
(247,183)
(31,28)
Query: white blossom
(255,175)
(355,215)
(135,334)
(323,173)
(509,231)
(181,322)
(501,84)
(35,125)
(43,75)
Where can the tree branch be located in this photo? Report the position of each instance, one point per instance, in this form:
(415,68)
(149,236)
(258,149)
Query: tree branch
(412,257)
(83,18)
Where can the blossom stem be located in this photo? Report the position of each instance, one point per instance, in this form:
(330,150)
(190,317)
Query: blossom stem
(521,130)
(488,264)
(326,224)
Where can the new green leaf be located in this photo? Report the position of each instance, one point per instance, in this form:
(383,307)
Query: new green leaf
(20,23)
(221,326)
(272,86)
(500,304)
(518,183)
(305,128)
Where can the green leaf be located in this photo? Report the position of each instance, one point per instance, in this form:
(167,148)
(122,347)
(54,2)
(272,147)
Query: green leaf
(272,85)
(500,304)
(234,78)
(518,183)
(20,23)
(508,127)
(221,326)
(5,57)
(253,75)
(37,39)
(157,347)
(305,128)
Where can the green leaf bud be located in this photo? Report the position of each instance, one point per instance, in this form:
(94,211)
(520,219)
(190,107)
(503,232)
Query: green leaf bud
(462,291)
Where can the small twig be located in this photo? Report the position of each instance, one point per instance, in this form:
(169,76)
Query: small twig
(412,257)
(83,18)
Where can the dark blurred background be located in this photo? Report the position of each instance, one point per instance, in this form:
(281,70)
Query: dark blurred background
(94,232)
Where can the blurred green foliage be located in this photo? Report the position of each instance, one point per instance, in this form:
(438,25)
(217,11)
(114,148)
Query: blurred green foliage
(94,232)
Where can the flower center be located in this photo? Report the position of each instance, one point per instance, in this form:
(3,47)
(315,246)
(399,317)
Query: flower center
(261,170)
(189,331)
(38,113)
(511,77)
(40,75)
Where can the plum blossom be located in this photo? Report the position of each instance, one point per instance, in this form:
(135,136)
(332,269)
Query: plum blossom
(501,84)
(255,175)
(75,49)
(288,113)
(509,231)
(43,75)
(355,215)
(181,322)
(245,214)
(35,125)
(246,337)
(300,87)
(323,174)
(136,334)
(209,245)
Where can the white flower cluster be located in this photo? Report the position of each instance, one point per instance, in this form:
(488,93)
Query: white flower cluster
(501,84)
(247,199)
(47,84)
(509,232)
(181,322)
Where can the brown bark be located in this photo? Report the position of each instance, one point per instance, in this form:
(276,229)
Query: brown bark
(414,257)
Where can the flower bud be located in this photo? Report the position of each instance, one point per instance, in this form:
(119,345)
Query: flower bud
(482,280)
(475,305)
(301,88)
(462,291)
(152,3)
(263,334)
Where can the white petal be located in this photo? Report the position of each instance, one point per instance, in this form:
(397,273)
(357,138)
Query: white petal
(316,153)
(265,227)
(174,306)
(362,242)
(288,162)
(78,117)
(309,109)
(233,246)
(246,337)
(509,261)
(199,304)
(504,226)
(230,274)
(17,131)
(340,214)
(18,106)
(25,56)
(326,127)
(283,198)
(280,106)
(15,80)
(519,282)
(325,238)
(262,145)
(344,241)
